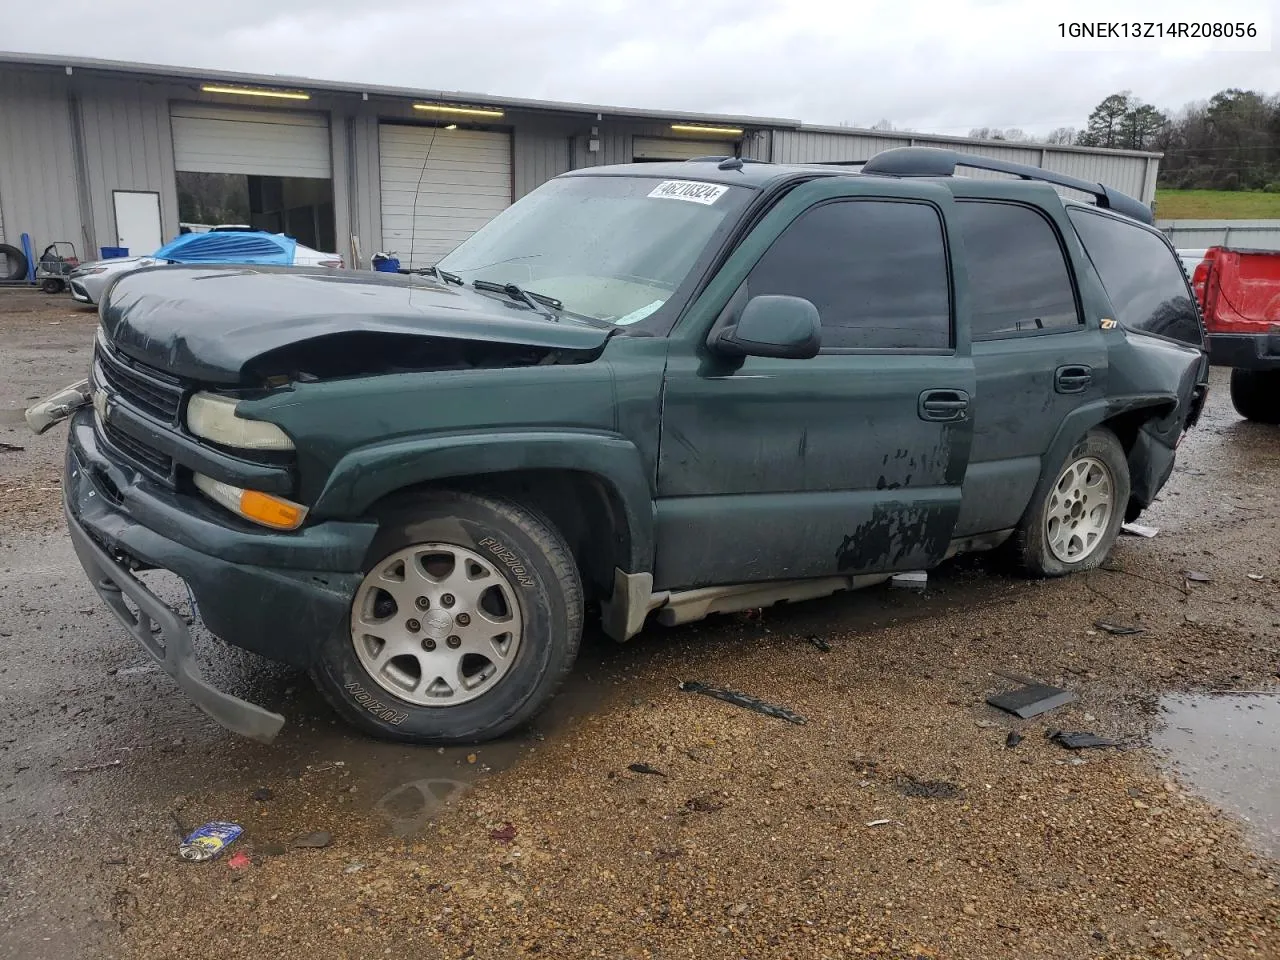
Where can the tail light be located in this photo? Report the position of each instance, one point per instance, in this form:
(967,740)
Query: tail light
(1199,280)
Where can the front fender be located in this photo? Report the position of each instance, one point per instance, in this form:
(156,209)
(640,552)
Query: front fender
(367,474)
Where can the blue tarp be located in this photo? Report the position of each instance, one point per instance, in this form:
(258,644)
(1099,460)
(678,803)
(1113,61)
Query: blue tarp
(230,247)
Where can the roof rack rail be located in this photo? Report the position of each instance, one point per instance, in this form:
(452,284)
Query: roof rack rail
(723,157)
(935,162)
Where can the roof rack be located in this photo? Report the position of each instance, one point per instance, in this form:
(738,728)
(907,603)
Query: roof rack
(934,162)
(723,157)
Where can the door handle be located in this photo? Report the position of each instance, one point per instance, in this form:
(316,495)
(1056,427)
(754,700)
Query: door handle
(1073,378)
(943,406)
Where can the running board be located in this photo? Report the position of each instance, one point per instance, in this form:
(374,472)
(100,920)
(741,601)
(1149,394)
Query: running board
(624,614)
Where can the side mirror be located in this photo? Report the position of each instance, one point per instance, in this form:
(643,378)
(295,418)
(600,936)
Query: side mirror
(773,326)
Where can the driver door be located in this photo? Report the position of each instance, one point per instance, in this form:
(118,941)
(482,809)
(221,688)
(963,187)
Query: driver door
(851,461)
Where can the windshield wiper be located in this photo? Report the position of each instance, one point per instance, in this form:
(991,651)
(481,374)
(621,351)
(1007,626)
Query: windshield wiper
(444,275)
(534,301)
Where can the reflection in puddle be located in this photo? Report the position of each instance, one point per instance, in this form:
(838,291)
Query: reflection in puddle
(408,807)
(1226,748)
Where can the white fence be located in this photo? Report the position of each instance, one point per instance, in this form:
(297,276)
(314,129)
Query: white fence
(1198,234)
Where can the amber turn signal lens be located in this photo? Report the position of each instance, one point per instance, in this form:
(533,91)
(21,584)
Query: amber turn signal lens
(271,511)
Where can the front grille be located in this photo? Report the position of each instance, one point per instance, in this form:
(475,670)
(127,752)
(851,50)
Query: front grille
(143,388)
(146,457)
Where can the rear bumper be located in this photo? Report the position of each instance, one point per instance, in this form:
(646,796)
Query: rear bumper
(278,595)
(1247,351)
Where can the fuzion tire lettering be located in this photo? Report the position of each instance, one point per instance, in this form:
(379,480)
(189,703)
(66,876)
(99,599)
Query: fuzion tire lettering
(374,705)
(508,559)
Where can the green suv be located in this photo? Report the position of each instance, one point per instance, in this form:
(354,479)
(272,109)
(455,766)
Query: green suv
(652,391)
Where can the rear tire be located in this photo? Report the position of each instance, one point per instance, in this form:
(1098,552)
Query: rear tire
(478,625)
(1256,394)
(1076,512)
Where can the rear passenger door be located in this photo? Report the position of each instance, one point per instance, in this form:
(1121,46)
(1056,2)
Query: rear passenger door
(1035,357)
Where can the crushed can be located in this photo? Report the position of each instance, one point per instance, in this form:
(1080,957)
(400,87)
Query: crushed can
(205,843)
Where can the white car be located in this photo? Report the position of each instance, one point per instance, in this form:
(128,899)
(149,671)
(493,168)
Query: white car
(90,280)
(1191,259)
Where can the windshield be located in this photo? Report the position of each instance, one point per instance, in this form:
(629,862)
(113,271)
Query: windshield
(610,248)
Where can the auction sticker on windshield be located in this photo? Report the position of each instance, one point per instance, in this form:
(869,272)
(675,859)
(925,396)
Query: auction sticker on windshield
(694,192)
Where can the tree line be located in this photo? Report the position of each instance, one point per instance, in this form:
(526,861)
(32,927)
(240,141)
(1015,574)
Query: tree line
(1229,142)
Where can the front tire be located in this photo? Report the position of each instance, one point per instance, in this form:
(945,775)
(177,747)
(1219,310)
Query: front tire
(468,620)
(1076,512)
(1256,394)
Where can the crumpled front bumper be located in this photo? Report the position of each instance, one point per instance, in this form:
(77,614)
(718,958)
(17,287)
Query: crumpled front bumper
(279,595)
(164,635)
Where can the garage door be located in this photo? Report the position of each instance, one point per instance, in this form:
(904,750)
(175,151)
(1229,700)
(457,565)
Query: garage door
(269,143)
(655,148)
(439,187)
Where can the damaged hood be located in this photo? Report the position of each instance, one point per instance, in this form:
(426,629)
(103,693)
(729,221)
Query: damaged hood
(217,324)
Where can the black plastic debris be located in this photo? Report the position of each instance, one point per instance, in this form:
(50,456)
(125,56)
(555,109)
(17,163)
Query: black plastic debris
(928,789)
(1077,740)
(263,794)
(739,699)
(316,840)
(818,642)
(11,447)
(645,768)
(1119,629)
(1012,740)
(1195,576)
(1030,700)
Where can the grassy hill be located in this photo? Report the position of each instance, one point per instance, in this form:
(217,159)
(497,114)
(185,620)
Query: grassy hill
(1217,205)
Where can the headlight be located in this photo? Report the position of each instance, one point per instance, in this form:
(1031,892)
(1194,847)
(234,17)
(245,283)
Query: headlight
(213,417)
(263,508)
(88,271)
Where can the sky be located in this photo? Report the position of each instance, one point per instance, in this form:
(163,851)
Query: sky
(942,67)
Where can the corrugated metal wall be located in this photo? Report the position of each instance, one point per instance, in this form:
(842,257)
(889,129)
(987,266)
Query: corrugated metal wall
(1126,173)
(366,189)
(541,150)
(1197,234)
(123,129)
(128,146)
(38,185)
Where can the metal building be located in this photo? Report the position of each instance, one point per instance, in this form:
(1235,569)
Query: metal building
(113,154)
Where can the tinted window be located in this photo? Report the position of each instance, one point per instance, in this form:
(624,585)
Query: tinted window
(1017,272)
(1142,276)
(876,270)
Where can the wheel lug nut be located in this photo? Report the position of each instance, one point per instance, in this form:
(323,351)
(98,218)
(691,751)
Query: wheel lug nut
(413,626)
(447,599)
(463,619)
(454,642)
(423,603)
(428,644)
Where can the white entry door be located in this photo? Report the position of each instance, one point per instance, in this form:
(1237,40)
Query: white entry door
(138,221)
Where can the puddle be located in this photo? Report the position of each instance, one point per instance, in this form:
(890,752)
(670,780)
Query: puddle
(1226,748)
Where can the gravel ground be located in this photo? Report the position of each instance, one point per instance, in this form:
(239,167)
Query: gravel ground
(41,337)
(897,822)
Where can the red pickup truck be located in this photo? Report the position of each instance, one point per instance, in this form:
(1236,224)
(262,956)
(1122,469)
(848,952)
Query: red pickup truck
(1239,294)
